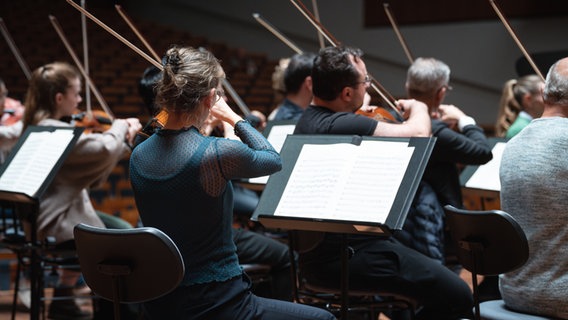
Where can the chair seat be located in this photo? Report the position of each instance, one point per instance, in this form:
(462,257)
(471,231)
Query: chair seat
(496,310)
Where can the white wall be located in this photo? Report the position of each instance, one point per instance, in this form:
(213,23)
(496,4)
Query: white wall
(481,54)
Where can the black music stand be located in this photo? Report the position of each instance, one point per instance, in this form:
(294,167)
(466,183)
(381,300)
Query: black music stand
(25,176)
(306,168)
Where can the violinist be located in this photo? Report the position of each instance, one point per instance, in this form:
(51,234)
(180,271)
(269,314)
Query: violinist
(182,185)
(521,102)
(54,92)
(459,140)
(252,247)
(339,78)
(11,112)
(297,87)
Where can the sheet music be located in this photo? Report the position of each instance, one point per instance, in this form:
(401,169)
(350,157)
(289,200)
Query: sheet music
(486,177)
(345,182)
(276,137)
(34,161)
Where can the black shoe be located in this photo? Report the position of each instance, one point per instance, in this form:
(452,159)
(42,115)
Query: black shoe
(66,309)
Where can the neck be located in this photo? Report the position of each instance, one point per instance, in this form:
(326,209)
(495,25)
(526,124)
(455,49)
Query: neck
(178,121)
(555,111)
(336,105)
(301,100)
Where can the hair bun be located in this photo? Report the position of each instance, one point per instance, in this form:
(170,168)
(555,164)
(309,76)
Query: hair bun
(173,61)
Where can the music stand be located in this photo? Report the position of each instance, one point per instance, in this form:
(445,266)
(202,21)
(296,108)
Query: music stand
(25,176)
(483,180)
(297,197)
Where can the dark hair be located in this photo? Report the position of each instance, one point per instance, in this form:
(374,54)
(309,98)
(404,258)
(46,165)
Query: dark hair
(299,67)
(147,87)
(333,71)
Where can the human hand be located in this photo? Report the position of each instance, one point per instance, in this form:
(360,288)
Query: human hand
(450,114)
(134,126)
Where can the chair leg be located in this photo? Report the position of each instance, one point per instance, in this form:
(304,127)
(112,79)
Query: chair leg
(16,285)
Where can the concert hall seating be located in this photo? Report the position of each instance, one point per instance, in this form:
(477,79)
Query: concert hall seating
(115,69)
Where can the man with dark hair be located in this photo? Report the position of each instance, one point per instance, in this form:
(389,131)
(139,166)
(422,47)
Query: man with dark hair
(298,86)
(340,81)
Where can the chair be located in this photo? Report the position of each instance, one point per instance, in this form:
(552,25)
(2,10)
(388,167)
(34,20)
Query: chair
(497,310)
(370,302)
(36,256)
(488,242)
(128,265)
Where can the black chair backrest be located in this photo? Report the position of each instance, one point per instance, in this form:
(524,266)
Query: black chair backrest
(499,242)
(146,260)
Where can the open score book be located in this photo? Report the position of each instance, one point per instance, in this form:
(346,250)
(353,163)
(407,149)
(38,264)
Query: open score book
(36,157)
(345,181)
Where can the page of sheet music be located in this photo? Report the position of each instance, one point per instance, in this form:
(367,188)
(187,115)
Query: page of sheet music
(276,137)
(36,157)
(486,177)
(345,182)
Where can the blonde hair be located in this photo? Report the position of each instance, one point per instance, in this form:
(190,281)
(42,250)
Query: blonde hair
(511,102)
(45,83)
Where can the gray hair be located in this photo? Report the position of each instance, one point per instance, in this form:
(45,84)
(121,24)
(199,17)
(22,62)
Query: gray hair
(556,85)
(427,75)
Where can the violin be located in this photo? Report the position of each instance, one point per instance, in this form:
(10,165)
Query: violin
(95,121)
(379,114)
(13,112)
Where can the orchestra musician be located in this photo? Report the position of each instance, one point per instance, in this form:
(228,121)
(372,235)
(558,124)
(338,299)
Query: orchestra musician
(521,101)
(11,112)
(458,140)
(340,81)
(534,177)
(297,87)
(182,185)
(252,247)
(54,92)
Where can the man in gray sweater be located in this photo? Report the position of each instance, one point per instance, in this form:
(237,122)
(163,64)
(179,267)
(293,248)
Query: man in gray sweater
(534,180)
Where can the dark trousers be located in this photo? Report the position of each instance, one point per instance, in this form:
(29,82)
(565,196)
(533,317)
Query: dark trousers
(256,248)
(385,265)
(227,300)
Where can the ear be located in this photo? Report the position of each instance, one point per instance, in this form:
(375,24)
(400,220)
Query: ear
(527,99)
(440,94)
(211,98)
(346,94)
(308,83)
(58,98)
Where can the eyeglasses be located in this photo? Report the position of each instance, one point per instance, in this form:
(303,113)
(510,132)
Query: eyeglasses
(367,80)
(220,93)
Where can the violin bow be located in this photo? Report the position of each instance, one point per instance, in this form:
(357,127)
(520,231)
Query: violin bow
(131,25)
(277,33)
(14,49)
(97,94)
(226,85)
(387,97)
(317,17)
(514,36)
(392,20)
(157,64)
(86,59)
